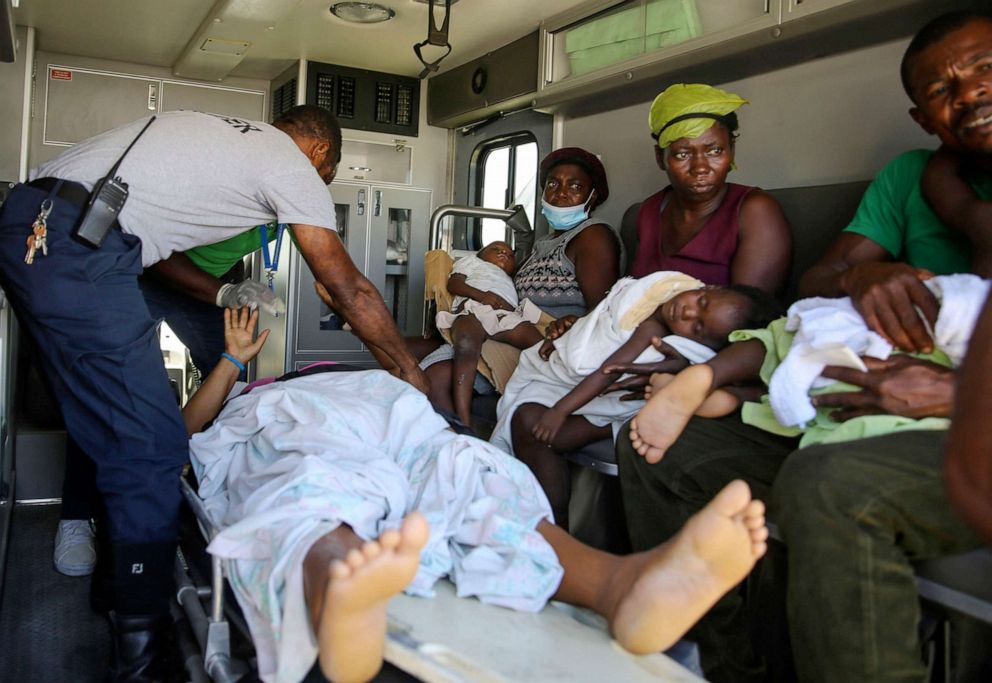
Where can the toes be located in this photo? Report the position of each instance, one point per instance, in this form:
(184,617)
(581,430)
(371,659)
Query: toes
(339,570)
(759,550)
(371,550)
(733,499)
(759,535)
(755,508)
(389,539)
(354,558)
(414,532)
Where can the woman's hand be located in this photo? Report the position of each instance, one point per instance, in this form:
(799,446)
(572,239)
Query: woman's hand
(495,300)
(548,426)
(673,363)
(239,333)
(558,327)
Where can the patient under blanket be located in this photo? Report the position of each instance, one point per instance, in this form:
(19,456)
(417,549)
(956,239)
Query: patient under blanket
(290,461)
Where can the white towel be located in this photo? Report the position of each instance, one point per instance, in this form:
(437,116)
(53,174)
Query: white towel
(832,332)
(586,346)
(962,297)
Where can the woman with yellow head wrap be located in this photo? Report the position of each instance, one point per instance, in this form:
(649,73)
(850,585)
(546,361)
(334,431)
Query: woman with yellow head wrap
(721,233)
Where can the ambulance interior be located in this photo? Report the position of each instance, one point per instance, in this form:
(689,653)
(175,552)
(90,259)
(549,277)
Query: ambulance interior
(465,127)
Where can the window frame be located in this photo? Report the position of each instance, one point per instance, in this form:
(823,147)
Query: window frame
(477,175)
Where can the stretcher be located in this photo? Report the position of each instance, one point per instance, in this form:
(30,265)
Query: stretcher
(446,639)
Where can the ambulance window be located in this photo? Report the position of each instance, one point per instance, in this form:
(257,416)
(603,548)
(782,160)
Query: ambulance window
(506,173)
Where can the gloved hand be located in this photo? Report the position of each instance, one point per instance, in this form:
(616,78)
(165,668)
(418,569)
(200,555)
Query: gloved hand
(251,294)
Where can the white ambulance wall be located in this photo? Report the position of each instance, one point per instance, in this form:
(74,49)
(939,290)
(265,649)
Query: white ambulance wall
(831,120)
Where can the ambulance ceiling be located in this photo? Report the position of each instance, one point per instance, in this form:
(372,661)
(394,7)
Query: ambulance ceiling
(204,39)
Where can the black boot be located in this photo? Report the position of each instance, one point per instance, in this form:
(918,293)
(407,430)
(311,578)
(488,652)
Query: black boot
(144,650)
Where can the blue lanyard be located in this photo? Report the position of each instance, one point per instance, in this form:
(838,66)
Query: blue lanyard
(271,264)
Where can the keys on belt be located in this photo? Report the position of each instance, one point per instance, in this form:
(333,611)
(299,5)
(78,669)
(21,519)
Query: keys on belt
(39,233)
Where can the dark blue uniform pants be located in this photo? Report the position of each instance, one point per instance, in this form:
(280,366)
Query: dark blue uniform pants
(100,351)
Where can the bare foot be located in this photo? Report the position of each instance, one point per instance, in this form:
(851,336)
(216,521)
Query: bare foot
(662,419)
(669,588)
(351,632)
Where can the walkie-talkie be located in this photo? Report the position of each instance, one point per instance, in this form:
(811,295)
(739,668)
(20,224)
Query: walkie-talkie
(106,202)
(101,211)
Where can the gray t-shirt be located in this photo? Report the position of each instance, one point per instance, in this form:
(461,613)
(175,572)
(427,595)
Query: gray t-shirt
(198,178)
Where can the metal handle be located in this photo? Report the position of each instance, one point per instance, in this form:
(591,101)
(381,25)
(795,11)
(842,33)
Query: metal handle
(361,202)
(153,97)
(377,205)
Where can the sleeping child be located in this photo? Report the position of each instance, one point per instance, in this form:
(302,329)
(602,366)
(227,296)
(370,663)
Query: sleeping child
(485,307)
(555,401)
(790,355)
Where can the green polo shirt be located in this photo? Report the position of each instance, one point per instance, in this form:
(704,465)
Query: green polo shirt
(894,214)
(220,257)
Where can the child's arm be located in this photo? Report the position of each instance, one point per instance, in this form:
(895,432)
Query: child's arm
(458,286)
(205,404)
(593,385)
(958,206)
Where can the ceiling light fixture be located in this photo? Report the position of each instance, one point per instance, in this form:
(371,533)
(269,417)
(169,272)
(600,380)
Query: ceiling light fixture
(362,12)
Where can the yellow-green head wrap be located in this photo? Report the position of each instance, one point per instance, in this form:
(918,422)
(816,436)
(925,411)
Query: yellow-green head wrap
(687,110)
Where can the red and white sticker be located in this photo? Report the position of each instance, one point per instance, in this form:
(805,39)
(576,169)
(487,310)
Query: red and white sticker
(60,75)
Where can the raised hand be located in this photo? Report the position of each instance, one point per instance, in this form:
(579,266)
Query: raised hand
(239,333)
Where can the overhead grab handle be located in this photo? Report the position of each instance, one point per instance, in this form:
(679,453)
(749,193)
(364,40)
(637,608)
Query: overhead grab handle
(437,36)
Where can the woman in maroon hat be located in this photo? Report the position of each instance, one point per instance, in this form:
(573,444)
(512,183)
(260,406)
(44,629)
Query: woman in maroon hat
(570,271)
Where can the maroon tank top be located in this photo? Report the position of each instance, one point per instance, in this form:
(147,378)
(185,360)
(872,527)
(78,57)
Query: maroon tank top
(707,256)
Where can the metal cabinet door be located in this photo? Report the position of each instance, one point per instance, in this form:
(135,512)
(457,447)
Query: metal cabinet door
(318,329)
(81,103)
(243,104)
(398,234)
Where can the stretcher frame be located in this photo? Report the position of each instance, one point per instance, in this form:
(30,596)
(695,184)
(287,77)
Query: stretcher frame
(446,639)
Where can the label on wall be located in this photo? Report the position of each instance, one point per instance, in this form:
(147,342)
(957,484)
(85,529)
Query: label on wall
(60,74)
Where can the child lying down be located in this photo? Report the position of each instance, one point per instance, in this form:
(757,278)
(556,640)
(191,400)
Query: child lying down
(557,399)
(337,491)
(789,357)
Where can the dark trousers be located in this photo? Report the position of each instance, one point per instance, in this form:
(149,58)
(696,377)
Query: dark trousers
(100,351)
(658,500)
(200,327)
(854,515)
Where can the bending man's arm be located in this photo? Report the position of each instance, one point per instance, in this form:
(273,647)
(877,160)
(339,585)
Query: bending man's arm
(356,299)
(968,458)
(182,274)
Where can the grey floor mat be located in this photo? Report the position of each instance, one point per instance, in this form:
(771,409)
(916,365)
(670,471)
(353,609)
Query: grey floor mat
(47,631)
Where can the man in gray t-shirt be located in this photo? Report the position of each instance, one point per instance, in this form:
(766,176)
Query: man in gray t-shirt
(194,179)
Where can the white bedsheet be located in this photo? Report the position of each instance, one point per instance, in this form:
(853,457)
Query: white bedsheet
(290,461)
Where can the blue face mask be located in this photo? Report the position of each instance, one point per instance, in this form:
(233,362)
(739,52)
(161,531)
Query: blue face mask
(565,217)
